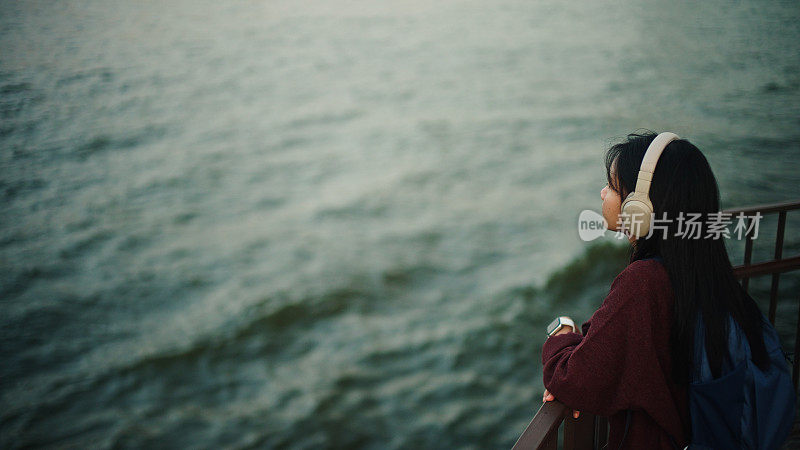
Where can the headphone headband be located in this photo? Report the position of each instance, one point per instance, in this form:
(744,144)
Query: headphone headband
(650,159)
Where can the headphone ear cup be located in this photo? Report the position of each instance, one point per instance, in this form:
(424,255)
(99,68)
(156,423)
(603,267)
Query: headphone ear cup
(635,214)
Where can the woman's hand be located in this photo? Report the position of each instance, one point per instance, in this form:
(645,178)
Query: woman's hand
(548,397)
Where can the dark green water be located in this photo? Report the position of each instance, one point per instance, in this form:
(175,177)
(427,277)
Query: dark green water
(341,224)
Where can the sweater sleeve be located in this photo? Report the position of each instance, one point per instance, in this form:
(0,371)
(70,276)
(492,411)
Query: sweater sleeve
(609,368)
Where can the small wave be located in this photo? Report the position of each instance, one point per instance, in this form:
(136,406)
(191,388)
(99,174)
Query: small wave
(359,379)
(269,203)
(405,355)
(85,244)
(303,310)
(103,142)
(133,242)
(14,88)
(100,74)
(24,277)
(291,142)
(329,118)
(184,217)
(407,275)
(355,210)
(14,188)
(776,87)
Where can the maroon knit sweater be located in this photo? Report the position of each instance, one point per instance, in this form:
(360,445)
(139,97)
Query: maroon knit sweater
(622,362)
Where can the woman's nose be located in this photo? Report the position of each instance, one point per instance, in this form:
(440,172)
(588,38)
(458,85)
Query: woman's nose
(603,193)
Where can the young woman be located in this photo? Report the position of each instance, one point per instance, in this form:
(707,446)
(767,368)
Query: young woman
(633,360)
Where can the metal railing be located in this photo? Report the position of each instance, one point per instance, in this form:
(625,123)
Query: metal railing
(775,266)
(589,431)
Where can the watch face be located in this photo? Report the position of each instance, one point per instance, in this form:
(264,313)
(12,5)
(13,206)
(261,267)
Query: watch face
(553,326)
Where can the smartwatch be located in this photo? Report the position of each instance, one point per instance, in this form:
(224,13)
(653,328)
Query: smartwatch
(559,323)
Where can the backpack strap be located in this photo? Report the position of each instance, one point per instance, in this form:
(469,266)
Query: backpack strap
(627,425)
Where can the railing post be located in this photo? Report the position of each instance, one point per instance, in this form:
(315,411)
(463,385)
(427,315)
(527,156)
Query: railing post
(579,433)
(550,442)
(748,253)
(600,431)
(773,293)
(796,359)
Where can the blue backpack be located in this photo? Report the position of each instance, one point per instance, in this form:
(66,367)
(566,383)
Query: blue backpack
(745,407)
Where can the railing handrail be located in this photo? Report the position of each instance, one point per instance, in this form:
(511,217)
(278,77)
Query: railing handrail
(542,432)
(765,208)
(543,425)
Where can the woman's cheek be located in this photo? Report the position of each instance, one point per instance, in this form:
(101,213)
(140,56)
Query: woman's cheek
(611,210)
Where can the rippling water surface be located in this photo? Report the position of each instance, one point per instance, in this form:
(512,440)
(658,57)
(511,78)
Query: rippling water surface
(340,223)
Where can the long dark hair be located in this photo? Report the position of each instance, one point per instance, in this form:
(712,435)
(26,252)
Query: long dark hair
(699,270)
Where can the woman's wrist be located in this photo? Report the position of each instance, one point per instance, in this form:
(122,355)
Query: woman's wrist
(566,329)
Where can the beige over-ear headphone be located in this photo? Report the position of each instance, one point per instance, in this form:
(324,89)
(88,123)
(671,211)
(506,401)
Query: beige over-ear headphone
(636,211)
